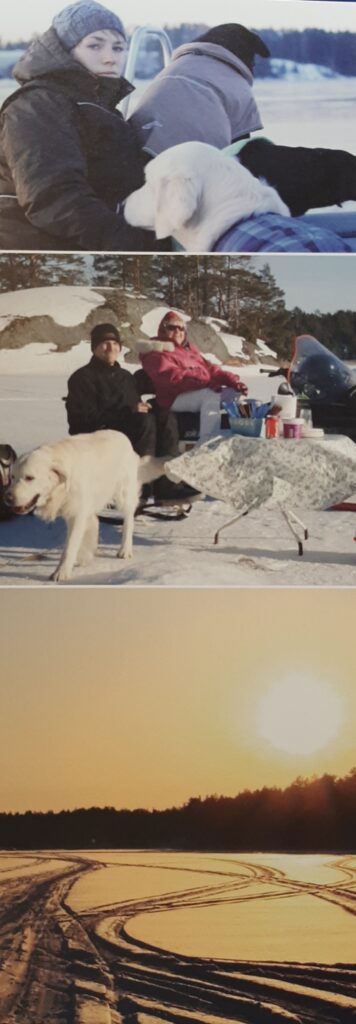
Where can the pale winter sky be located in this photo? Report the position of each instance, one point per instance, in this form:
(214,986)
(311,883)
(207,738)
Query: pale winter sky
(137,698)
(330,287)
(21,19)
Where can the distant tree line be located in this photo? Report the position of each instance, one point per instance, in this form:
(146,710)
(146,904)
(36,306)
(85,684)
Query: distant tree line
(336,330)
(315,815)
(20,44)
(334,50)
(230,288)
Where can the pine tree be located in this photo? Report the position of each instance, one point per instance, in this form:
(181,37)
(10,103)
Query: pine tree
(36,270)
(263,313)
(109,270)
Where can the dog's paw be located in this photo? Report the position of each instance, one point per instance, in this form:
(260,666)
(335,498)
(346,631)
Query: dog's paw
(60,574)
(124,553)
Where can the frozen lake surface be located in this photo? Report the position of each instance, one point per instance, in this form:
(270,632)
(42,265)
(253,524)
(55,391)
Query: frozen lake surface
(320,113)
(106,937)
(250,907)
(257,551)
(300,113)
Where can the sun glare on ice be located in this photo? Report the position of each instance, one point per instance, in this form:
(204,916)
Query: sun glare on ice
(300,714)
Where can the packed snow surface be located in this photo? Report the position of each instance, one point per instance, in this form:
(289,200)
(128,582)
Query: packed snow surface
(274,934)
(257,551)
(66,305)
(37,358)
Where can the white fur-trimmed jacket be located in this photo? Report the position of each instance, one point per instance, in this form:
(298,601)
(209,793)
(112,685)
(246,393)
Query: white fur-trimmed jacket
(178,369)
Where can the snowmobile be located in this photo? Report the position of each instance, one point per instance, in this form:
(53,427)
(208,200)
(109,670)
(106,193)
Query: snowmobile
(322,383)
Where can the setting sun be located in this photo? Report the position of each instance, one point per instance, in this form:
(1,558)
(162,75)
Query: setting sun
(300,714)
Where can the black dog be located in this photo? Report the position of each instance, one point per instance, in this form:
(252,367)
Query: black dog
(304,178)
(7,458)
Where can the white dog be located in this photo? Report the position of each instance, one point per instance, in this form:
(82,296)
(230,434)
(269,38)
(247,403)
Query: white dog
(75,478)
(195,192)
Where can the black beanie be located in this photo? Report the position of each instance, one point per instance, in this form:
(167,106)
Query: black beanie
(238,39)
(103,332)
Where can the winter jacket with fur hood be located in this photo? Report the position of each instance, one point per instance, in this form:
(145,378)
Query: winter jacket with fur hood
(67,156)
(203,95)
(182,368)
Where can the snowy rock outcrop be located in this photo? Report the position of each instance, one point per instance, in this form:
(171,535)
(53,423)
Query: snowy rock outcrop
(61,317)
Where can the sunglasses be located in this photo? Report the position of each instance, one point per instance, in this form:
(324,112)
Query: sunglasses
(176,328)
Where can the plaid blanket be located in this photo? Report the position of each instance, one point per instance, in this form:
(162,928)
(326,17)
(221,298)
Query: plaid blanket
(270,232)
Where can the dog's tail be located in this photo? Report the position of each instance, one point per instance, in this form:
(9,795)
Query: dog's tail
(150,468)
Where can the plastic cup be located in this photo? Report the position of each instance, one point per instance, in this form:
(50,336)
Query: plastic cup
(287,405)
(292,429)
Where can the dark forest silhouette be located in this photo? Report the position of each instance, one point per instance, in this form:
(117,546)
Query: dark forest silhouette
(333,50)
(311,815)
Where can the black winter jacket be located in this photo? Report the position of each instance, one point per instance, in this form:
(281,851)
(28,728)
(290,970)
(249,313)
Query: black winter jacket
(67,156)
(100,397)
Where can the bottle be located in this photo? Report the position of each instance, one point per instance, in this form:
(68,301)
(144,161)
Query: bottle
(272,426)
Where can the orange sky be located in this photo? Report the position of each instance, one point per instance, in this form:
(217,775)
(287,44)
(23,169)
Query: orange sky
(147,697)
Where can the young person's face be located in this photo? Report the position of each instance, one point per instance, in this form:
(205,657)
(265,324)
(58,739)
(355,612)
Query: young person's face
(107,351)
(102,53)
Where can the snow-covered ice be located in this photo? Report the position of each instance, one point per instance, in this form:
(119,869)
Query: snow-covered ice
(257,551)
(166,935)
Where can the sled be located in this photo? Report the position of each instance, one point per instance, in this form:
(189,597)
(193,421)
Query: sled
(164,511)
(343,506)
(341,222)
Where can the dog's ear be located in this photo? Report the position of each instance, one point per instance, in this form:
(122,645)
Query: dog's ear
(259,45)
(57,468)
(246,44)
(176,201)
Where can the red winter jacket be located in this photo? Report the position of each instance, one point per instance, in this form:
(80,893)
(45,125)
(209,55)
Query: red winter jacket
(184,369)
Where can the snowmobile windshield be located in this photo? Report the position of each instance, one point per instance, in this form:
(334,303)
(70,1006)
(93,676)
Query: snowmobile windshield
(318,374)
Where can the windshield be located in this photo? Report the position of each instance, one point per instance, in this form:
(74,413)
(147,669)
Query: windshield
(317,373)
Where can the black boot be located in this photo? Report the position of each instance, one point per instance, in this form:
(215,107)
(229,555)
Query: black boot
(164,490)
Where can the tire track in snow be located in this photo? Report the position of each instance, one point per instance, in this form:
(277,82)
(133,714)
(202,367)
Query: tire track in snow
(62,967)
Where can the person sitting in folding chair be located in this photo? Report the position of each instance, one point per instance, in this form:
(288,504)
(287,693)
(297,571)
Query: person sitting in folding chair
(184,381)
(104,396)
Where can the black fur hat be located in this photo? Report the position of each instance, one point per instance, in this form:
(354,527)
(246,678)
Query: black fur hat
(238,39)
(103,332)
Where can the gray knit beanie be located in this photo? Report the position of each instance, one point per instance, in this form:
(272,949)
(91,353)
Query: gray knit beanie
(81,19)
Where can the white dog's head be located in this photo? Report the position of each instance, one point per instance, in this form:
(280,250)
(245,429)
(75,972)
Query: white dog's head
(37,482)
(195,192)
